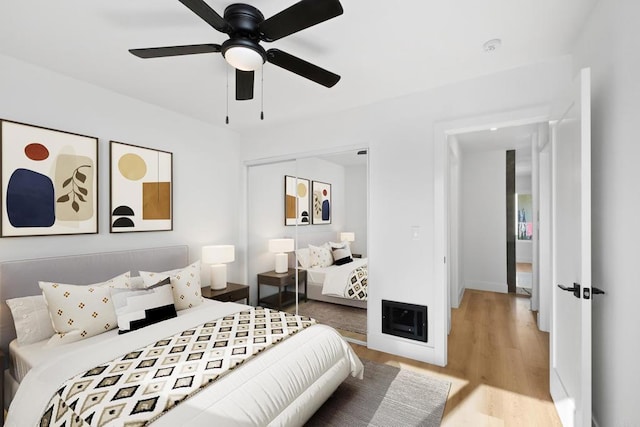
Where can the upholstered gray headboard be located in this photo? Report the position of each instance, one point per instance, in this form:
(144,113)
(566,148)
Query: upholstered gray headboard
(20,278)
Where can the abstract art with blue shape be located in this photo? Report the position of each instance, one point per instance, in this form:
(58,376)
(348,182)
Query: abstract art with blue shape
(30,199)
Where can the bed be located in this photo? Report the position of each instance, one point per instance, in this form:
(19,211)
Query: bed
(333,274)
(282,385)
(330,283)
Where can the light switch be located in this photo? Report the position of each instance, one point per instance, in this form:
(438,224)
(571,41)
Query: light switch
(415,232)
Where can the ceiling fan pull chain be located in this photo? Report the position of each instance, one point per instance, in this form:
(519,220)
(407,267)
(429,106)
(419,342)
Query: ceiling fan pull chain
(227,119)
(262,93)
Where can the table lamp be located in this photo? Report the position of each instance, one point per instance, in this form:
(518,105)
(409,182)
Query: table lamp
(218,256)
(280,247)
(347,236)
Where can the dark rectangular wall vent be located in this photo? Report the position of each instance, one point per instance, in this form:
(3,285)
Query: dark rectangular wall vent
(404,320)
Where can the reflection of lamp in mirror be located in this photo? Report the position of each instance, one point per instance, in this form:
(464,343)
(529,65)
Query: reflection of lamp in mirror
(218,256)
(280,247)
(347,236)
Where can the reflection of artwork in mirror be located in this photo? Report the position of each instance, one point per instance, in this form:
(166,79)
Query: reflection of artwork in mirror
(321,203)
(296,201)
(524,224)
(49,181)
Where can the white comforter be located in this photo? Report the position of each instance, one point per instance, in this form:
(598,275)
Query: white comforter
(334,278)
(282,386)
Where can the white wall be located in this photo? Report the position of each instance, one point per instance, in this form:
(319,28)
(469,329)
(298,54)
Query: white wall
(482,214)
(265,186)
(523,184)
(206,163)
(356,206)
(609,45)
(400,135)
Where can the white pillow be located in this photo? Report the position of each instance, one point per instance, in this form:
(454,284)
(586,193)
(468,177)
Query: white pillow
(136,282)
(81,311)
(185,283)
(303,255)
(137,308)
(320,255)
(31,319)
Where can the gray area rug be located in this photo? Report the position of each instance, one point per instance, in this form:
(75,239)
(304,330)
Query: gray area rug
(387,396)
(337,316)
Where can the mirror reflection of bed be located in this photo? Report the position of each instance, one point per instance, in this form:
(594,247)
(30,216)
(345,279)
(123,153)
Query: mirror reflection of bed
(348,176)
(336,293)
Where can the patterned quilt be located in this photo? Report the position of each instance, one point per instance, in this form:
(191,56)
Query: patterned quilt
(140,386)
(357,284)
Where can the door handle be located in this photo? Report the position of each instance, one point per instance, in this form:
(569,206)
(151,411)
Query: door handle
(575,289)
(594,291)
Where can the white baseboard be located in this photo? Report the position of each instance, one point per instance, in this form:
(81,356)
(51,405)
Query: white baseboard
(486,286)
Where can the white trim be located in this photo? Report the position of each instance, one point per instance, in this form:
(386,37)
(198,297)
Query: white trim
(290,157)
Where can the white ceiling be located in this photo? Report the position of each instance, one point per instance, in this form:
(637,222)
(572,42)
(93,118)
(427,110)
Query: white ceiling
(381,49)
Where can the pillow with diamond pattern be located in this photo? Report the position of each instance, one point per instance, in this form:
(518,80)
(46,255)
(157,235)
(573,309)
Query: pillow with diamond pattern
(185,284)
(81,311)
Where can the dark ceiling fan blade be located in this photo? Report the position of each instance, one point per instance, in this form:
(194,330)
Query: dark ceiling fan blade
(302,68)
(244,85)
(159,52)
(210,16)
(301,15)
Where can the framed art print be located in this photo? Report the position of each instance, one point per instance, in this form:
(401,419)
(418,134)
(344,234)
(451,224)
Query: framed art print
(321,202)
(49,181)
(141,188)
(296,201)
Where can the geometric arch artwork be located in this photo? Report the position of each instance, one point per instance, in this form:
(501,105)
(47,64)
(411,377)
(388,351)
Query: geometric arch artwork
(296,201)
(49,181)
(141,181)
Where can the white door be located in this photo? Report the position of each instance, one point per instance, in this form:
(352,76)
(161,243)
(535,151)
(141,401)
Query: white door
(570,362)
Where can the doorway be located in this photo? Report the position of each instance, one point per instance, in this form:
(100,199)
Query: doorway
(448,195)
(494,175)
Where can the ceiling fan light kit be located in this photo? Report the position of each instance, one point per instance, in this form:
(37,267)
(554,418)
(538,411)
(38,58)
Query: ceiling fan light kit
(246,27)
(243,54)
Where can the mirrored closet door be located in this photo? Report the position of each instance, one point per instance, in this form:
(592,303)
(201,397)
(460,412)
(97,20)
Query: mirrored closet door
(307,224)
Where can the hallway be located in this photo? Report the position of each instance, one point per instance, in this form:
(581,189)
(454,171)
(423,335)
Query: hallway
(498,364)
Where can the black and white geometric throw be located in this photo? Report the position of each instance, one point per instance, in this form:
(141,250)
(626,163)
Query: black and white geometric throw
(357,284)
(135,389)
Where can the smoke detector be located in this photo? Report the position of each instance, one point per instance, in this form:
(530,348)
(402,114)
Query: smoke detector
(492,45)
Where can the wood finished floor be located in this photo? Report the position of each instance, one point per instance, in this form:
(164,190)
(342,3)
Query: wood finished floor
(498,364)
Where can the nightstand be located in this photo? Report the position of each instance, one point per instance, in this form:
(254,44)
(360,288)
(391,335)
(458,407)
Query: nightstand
(283,297)
(233,292)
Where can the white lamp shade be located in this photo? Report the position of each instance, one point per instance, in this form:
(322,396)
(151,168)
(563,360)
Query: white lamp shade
(218,254)
(281,245)
(347,236)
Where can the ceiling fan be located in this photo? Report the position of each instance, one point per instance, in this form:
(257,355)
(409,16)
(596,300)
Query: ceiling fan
(246,28)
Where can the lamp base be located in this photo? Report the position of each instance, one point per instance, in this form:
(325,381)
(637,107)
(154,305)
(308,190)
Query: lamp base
(218,276)
(282,263)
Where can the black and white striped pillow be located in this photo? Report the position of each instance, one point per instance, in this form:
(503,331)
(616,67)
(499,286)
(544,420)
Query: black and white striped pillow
(137,308)
(341,253)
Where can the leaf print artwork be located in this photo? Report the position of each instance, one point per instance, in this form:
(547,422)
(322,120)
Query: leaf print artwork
(76,191)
